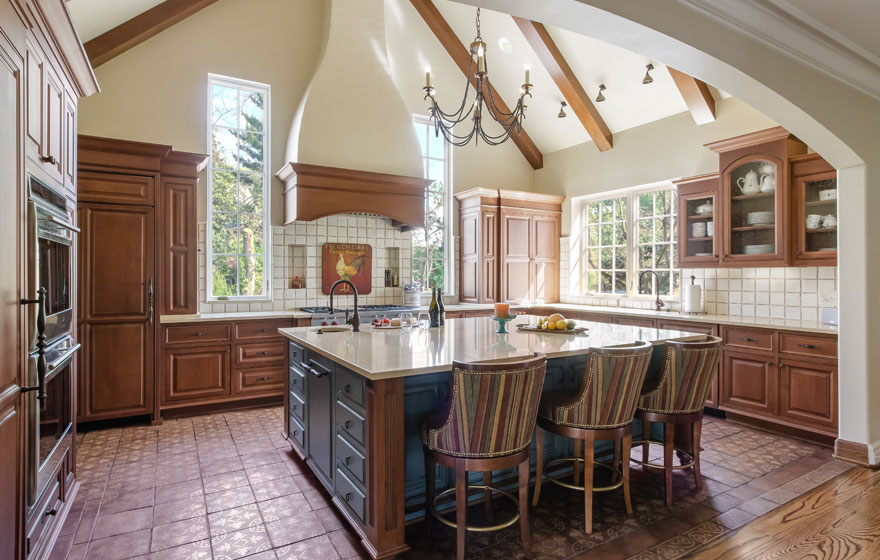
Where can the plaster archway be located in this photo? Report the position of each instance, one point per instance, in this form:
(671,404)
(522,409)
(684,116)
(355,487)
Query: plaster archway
(836,119)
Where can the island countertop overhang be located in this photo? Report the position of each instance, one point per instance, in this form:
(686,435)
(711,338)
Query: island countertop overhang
(389,354)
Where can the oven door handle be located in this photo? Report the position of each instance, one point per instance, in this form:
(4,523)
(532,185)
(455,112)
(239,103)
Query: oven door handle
(40,387)
(63,224)
(63,359)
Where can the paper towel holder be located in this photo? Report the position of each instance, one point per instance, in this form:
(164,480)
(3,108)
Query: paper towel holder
(686,304)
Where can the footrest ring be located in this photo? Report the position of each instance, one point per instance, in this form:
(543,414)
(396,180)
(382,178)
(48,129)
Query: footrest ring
(454,525)
(613,486)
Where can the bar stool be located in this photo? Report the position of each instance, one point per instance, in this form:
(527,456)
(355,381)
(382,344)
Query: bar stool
(487,425)
(602,409)
(677,399)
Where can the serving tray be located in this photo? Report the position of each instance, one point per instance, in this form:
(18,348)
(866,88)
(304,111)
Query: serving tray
(535,329)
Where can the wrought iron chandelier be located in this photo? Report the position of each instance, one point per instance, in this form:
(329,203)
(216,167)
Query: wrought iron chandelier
(511,122)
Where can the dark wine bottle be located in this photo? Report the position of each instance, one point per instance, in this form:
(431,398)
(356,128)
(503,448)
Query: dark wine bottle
(441,310)
(433,310)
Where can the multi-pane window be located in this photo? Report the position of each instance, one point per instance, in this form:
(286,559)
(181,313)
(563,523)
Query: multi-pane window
(429,245)
(606,248)
(626,235)
(656,242)
(238,177)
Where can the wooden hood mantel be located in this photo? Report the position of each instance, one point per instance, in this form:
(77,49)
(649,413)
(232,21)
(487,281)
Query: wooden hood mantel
(316,191)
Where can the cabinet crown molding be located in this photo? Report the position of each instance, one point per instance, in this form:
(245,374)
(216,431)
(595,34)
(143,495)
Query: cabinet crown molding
(750,139)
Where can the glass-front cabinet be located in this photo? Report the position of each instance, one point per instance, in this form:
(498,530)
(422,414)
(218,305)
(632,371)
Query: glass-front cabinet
(699,237)
(814,229)
(754,191)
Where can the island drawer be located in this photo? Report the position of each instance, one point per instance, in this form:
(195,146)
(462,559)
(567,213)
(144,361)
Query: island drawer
(349,493)
(297,354)
(807,345)
(351,458)
(259,353)
(297,433)
(350,385)
(350,422)
(297,407)
(756,339)
(319,365)
(297,382)
(247,330)
(258,380)
(197,334)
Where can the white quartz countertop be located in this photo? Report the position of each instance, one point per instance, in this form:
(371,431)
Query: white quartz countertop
(385,354)
(242,316)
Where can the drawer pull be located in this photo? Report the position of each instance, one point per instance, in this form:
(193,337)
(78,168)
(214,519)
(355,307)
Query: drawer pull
(347,388)
(263,330)
(315,372)
(51,161)
(52,511)
(808,346)
(768,364)
(346,424)
(348,496)
(348,460)
(747,339)
(198,334)
(264,379)
(264,353)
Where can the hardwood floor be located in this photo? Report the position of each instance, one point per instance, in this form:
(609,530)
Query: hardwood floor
(839,519)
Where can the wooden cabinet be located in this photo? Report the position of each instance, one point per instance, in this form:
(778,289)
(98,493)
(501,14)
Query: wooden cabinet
(808,393)
(754,196)
(700,229)
(814,211)
(509,246)
(644,322)
(222,362)
(117,331)
(194,375)
(749,382)
(46,108)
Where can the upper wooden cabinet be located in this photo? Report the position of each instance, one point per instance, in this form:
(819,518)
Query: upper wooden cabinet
(759,206)
(509,246)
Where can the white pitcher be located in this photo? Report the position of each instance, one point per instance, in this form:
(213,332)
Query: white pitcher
(768,183)
(749,183)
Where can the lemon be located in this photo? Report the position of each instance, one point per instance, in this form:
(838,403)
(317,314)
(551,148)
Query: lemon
(551,326)
(561,325)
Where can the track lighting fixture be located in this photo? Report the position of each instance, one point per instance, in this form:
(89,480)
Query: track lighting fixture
(562,107)
(648,79)
(601,97)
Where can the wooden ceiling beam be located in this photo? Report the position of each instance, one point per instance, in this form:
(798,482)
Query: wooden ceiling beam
(138,29)
(696,95)
(461,56)
(551,57)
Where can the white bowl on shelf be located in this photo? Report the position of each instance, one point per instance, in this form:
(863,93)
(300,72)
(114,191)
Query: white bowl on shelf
(758,249)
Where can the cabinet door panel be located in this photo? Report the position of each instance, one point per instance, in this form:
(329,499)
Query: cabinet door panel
(808,394)
(516,281)
(116,188)
(515,256)
(179,239)
(120,369)
(34,126)
(545,281)
(489,270)
(193,374)
(54,127)
(320,422)
(69,147)
(748,382)
(635,322)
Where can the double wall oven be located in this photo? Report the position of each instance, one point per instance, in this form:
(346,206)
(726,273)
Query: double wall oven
(51,345)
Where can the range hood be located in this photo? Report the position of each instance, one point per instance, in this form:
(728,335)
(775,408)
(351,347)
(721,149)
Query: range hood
(315,191)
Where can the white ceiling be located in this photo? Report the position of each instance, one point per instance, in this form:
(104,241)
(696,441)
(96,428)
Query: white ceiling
(94,17)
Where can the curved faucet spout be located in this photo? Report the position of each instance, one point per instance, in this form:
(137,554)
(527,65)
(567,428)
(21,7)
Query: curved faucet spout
(658,304)
(355,319)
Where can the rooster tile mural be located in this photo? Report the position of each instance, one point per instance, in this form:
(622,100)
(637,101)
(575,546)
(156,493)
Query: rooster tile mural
(347,261)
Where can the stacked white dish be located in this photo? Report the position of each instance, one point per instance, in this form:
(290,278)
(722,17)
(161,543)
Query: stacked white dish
(760,218)
(698,229)
(828,194)
(710,229)
(758,249)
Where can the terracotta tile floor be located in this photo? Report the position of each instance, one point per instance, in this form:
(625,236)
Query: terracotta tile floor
(227,486)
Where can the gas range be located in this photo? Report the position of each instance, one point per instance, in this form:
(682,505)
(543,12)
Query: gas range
(322,316)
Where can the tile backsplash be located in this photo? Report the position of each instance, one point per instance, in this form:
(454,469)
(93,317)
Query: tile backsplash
(779,293)
(296,251)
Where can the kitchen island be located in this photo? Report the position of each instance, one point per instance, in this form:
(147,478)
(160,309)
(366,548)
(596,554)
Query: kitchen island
(356,401)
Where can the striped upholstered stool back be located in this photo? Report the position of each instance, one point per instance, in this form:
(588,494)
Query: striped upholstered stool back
(689,368)
(610,390)
(492,409)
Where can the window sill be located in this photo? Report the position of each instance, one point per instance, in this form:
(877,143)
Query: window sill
(260,299)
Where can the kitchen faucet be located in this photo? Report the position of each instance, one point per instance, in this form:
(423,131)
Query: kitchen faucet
(658,304)
(355,320)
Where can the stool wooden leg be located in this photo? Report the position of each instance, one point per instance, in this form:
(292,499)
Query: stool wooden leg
(617,453)
(524,471)
(487,497)
(430,474)
(698,429)
(627,449)
(577,465)
(539,468)
(668,448)
(589,451)
(646,435)
(461,498)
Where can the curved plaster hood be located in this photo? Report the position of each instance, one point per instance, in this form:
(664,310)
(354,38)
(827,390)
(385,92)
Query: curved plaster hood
(353,147)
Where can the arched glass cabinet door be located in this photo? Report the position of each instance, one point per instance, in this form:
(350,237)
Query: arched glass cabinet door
(754,217)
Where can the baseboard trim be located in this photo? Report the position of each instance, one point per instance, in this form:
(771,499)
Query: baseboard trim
(858,453)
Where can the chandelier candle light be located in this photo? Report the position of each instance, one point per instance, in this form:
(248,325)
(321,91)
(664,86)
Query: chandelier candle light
(446,122)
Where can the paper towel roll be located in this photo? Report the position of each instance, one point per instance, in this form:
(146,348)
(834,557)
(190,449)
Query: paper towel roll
(692,298)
